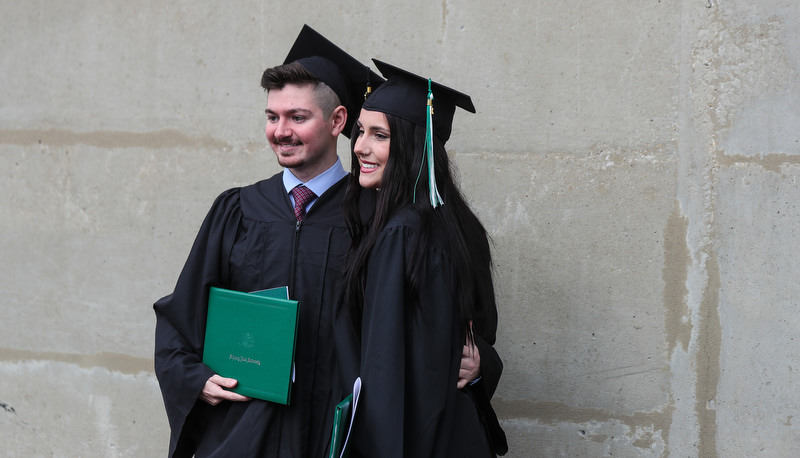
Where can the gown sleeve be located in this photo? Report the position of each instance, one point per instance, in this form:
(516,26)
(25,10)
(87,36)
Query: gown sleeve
(181,318)
(410,353)
(485,328)
(482,391)
(491,365)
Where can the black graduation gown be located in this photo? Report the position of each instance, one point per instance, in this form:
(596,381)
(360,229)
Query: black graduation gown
(409,354)
(250,241)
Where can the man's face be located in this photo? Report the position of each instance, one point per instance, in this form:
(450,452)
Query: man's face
(303,140)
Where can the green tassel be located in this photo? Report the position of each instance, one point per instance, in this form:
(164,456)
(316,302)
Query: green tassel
(436,199)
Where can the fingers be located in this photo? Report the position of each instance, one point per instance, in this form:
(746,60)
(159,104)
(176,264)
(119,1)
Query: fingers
(222,381)
(214,391)
(470,366)
(470,356)
(471,352)
(468,352)
(225,395)
(468,372)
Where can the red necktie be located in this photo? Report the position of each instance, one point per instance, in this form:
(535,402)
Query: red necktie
(302,196)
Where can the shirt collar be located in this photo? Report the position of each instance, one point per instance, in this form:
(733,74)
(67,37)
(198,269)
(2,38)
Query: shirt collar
(320,183)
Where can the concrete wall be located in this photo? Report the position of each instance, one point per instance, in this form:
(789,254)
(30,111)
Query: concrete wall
(637,163)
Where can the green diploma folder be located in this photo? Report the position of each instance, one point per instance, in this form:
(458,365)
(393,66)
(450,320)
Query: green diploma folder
(251,337)
(341,422)
(343,417)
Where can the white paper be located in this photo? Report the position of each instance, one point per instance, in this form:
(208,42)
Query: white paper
(354,404)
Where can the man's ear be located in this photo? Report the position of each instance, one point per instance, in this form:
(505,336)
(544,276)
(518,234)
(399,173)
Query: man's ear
(339,119)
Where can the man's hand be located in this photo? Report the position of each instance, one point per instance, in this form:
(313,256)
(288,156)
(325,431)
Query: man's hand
(214,391)
(470,365)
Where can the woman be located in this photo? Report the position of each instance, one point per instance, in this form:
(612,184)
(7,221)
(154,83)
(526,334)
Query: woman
(418,282)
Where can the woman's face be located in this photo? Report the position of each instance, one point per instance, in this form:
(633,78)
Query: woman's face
(372,147)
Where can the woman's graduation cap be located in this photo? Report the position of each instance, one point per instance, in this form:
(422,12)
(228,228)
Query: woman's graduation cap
(350,79)
(405,95)
(422,102)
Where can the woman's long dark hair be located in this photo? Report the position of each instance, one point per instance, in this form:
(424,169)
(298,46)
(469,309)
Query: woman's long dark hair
(465,238)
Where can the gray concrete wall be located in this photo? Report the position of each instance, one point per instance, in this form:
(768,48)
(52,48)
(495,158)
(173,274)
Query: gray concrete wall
(637,163)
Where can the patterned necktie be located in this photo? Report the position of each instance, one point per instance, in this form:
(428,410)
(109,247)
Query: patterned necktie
(302,196)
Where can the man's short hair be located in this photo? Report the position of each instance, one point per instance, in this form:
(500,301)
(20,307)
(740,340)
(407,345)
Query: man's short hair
(294,73)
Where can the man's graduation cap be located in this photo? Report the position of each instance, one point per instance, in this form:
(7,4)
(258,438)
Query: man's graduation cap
(423,102)
(350,79)
(405,95)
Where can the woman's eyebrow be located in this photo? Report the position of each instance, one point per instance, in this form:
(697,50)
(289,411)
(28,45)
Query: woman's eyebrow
(376,128)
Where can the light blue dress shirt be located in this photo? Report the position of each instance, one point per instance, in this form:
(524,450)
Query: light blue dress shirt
(319,184)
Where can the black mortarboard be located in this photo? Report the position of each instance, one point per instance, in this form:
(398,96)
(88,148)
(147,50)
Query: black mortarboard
(349,78)
(423,102)
(405,95)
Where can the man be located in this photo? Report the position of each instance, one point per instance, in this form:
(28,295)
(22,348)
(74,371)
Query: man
(254,239)
(267,235)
